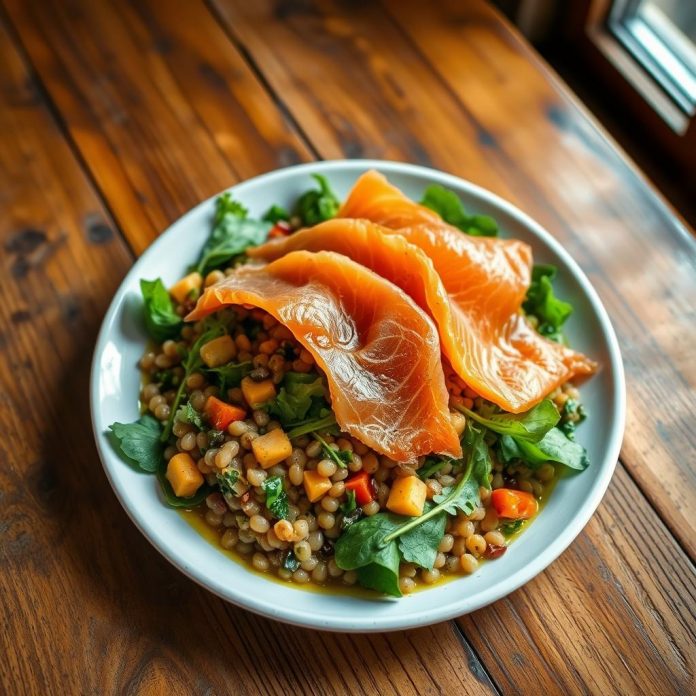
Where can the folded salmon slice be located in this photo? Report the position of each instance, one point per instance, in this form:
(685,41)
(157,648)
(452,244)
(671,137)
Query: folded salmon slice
(489,343)
(380,352)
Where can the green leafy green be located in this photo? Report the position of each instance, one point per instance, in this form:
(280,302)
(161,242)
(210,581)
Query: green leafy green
(227,480)
(572,414)
(232,233)
(230,375)
(317,205)
(541,302)
(450,208)
(323,423)
(350,504)
(167,379)
(351,512)
(215,438)
(140,442)
(296,397)
(341,457)
(290,561)
(276,497)
(531,425)
(431,466)
(175,501)
(161,321)
(375,545)
(512,527)
(555,446)
(187,414)
(276,213)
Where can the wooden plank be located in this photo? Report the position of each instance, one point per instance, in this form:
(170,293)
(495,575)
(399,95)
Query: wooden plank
(486,110)
(87,604)
(158,102)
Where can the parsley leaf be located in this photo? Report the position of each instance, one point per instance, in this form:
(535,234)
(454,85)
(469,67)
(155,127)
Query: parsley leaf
(317,205)
(140,442)
(276,497)
(187,414)
(161,321)
(232,233)
(450,208)
(541,302)
(227,480)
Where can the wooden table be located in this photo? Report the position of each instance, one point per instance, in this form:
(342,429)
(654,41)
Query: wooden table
(116,118)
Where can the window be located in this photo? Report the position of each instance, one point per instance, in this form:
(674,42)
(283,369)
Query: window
(661,36)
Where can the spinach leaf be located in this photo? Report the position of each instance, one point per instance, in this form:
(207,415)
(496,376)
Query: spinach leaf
(450,208)
(542,303)
(382,574)
(276,213)
(230,375)
(555,446)
(531,425)
(232,233)
(276,497)
(227,480)
(173,500)
(296,396)
(188,414)
(419,546)
(317,205)
(341,457)
(140,442)
(161,321)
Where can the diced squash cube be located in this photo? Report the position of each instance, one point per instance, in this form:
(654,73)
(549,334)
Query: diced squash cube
(315,485)
(258,393)
(407,496)
(181,290)
(270,449)
(184,476)
(219,351)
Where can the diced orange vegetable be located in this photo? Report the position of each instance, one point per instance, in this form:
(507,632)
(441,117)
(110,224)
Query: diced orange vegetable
(270,449)
(280,229)
(220,414)
(219,351)
(514,505)
(181,290)
(258,393)
(361,485)
(316,485)
(407,496)
(183,475)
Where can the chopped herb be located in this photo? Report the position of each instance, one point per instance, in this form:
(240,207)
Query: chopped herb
(230,375)
(317,205)
(276,497)
(139,442)
(227,480)
(450,208)
(290,561)
(341,457)
(161,320)
(187,414)
(299,393)
(510,528)
(351,512)
(321,424)
(215,437)
(167,379)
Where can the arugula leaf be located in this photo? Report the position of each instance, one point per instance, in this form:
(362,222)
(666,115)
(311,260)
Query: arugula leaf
(542,303)
(139,442)
(232,233)
(276,497)
(555,446)
(276,213)
(323,423)
(317,205)
(473,442)
(341,457)
(227,480)
(419,546)
(450,208)
(296,397)
(290,561)
(161,321)
(187,414)
(230,375)
(531,425)
(173,500)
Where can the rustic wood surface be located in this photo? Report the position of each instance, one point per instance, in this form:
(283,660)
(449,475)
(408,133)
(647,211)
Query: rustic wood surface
(115,118)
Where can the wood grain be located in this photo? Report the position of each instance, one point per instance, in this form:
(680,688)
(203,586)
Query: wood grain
(455,88)
(87,605)
(158,101)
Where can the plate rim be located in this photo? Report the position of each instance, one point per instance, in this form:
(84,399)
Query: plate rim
(452,609)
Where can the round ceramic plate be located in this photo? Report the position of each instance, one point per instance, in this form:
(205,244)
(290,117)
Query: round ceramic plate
(114,397)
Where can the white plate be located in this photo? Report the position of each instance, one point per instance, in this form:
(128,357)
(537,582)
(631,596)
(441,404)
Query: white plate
(114,394)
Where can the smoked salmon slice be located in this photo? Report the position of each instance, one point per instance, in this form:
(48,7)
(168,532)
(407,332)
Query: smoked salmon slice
(487,340)
(380,352)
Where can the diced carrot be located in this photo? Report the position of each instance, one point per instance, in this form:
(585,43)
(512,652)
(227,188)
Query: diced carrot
(181,290)
(361,485)
(220,414)
(514,505)
(258,393)
(407,496)
(183,475)
(270,449)
(280,229)
(316,485)
(219,351)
